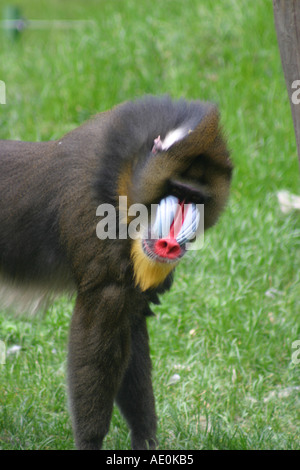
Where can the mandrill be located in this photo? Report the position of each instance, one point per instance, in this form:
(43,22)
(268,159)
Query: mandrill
(152,151)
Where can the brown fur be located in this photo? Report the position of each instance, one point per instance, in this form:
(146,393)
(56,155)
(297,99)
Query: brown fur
(49,194)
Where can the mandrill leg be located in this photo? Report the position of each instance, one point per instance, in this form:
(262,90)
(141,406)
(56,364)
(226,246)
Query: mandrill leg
(135,398)
(99,348)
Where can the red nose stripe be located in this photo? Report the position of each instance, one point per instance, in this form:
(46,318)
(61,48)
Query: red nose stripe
(178,221)
(167,248)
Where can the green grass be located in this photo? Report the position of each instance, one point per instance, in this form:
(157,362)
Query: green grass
(228,325)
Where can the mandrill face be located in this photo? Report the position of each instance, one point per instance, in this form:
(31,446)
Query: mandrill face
(164,243)
(175,225)
(199,178)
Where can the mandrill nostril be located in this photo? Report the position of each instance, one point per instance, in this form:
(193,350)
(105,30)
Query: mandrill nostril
(167,248)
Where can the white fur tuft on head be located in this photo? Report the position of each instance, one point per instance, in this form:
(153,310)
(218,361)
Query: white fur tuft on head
(170,139)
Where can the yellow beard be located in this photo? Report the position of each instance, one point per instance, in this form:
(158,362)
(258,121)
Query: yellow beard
(148,273)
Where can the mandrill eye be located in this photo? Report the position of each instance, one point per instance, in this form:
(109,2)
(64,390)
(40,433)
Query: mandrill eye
(175,224)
